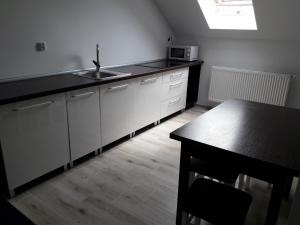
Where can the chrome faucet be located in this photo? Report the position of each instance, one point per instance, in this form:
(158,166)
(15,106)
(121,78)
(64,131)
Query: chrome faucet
(97,63)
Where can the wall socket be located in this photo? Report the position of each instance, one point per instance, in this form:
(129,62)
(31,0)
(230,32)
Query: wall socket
(170,40)
(41,46)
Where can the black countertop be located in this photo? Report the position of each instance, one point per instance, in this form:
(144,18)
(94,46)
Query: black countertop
(164,64)
(36,87)
(20,90)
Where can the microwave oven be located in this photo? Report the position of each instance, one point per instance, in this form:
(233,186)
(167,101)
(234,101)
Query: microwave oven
(183,53)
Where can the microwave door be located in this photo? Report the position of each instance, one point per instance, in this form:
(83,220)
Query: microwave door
(178,53)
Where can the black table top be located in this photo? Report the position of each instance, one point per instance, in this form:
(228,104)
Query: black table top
(20,90)
(259,131)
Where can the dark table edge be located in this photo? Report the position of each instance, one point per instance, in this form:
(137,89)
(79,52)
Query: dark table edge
(207,146)
(95,83)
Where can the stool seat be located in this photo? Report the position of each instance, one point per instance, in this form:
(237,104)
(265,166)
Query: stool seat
(217,170)
(217,203)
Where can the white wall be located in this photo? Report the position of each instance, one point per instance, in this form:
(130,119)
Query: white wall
(127,31)
(262,55)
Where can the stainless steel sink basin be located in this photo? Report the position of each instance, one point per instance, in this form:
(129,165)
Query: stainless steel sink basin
(104,74)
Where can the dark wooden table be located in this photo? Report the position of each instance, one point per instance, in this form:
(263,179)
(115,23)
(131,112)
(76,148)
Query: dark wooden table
(263,141)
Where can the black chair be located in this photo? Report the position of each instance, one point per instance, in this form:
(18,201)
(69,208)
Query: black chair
(217,170)
(217,203)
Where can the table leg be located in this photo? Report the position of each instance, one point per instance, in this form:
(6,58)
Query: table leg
(183,185)
(288,187)
(294,216)
(275,201)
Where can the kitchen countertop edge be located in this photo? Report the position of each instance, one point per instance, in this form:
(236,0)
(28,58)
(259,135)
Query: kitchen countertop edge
(93,82)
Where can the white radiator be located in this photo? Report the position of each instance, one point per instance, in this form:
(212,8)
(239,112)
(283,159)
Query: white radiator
(228,83)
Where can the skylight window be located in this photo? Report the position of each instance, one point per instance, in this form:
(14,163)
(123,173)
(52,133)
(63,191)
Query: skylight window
(229,14)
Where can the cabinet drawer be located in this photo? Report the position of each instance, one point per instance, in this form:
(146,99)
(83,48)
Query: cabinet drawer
(174,88)
(176,75)
(173,105)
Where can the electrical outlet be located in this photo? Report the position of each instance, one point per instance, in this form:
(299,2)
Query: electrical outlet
(170,40)
(41,46)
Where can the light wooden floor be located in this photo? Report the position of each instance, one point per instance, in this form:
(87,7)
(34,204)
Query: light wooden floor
(134,183)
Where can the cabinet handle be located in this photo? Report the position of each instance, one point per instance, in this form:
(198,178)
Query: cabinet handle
(176,84)
(176,76)
(117,87)
(175,101)
(151,80)
(83,94)
(33,106)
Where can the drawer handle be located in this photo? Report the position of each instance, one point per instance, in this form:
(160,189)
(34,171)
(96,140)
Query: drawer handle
(176,84)
(117,87)
(33,106)
(83,94)
(151,80)
(176,76)
(174,101)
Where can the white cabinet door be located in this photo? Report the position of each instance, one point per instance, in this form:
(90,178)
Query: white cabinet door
(149,91)
(117,107)
(34,138)
(84,121)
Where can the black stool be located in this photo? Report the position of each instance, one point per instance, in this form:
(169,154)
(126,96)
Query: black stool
(220,171)
(217,203)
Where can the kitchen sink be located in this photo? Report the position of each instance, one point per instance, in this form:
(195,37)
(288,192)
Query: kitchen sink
(104,74)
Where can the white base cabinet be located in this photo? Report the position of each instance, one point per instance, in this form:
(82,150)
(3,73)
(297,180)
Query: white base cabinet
(128,106)
(84,121)
(34,138)
(43,134)
(117,107)
(147,101)
(174,91)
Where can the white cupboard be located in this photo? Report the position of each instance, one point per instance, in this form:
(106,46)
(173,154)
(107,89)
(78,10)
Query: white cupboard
(147,101)
(117,109)
(34,138)
(43,134)
(84,121)
(128,106)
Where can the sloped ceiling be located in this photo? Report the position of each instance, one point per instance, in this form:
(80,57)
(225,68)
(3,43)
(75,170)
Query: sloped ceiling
(276,20)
